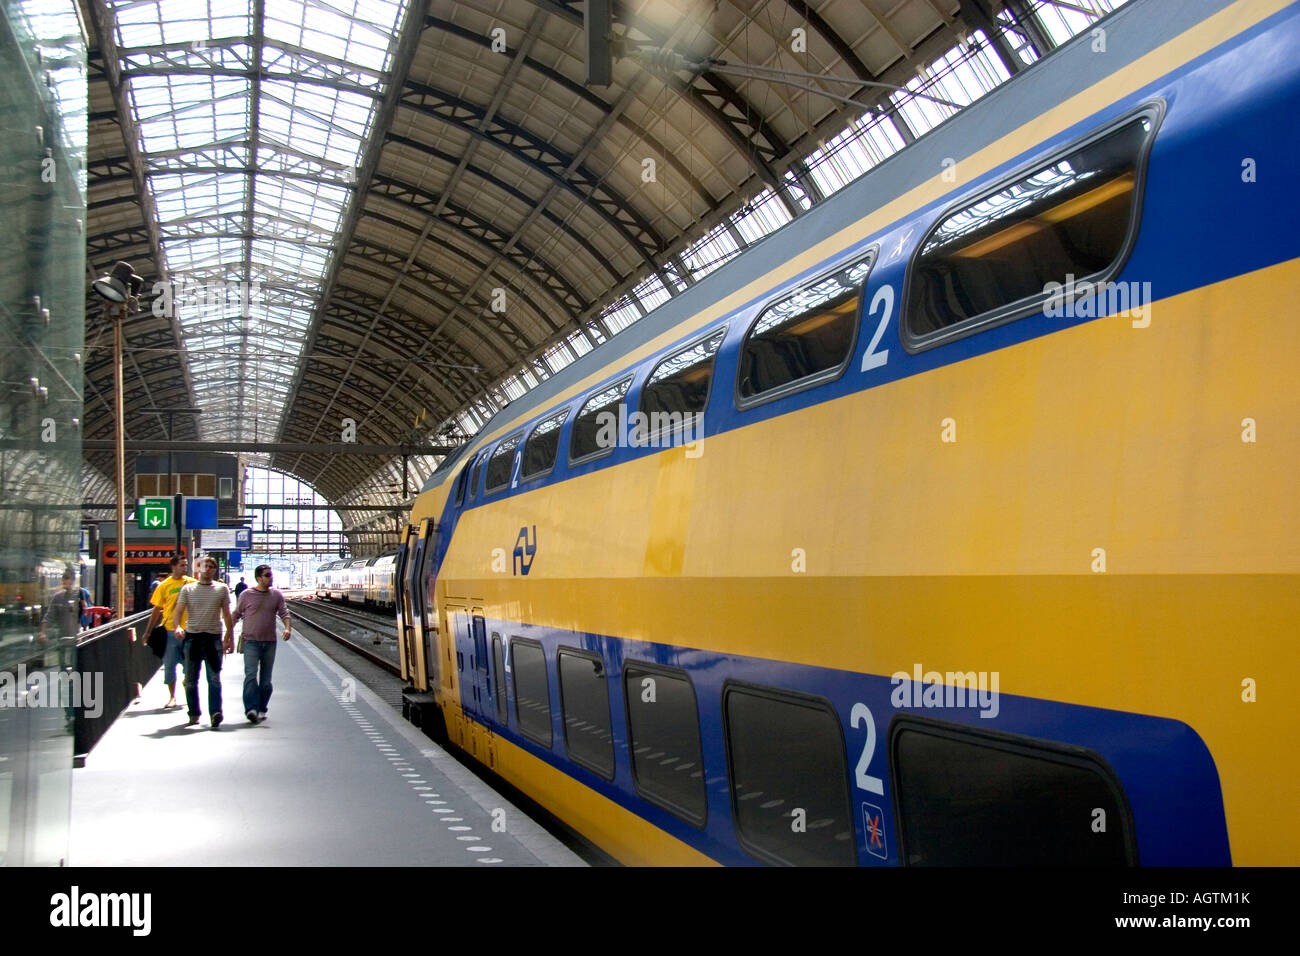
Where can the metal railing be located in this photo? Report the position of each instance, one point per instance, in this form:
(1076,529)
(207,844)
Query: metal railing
(115,659)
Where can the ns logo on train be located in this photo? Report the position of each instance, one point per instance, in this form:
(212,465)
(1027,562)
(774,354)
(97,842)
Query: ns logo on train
(525,549)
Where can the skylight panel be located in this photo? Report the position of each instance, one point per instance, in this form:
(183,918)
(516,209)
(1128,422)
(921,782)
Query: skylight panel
(251,227)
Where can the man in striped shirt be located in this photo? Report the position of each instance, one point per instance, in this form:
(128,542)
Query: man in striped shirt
(203,606)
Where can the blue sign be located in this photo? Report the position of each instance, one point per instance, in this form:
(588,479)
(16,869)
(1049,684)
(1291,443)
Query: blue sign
(244,539)
(200,513)
(235,559)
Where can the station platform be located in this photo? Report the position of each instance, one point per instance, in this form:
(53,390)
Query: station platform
(333,777)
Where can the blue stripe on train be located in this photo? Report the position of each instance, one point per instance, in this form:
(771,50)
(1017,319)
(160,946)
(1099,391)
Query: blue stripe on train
(1164,767)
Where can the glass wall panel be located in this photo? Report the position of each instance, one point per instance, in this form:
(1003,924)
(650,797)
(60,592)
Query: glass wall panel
(42,335)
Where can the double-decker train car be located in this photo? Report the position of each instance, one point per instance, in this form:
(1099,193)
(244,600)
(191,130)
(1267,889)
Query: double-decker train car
(361,581)
(953,523)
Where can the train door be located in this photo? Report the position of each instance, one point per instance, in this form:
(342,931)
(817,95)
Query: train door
(473,670)
(477,697)
(405,618)
(415,636)
(429,601)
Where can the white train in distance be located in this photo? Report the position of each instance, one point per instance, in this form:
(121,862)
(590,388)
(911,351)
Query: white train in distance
(365,582)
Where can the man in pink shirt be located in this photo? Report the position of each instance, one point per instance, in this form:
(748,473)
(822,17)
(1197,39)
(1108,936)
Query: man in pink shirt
(258,607)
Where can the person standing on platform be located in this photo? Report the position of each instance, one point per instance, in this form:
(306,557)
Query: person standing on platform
(203,606)
(240,588)
(258,607)
(163,600)
(67,606)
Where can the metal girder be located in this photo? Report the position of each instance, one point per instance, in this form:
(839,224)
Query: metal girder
(223,57)
(409,32)
(109,64)
(563,224)
(485,233)
(979,14)
(537,154)
(714,98)
(582,92)
(389,324)
(313,395)
(1027,25)
(363,304)
(559,299)
(438,282)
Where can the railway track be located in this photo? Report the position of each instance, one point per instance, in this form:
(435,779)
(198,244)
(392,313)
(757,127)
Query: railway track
(353,631)
(370,620)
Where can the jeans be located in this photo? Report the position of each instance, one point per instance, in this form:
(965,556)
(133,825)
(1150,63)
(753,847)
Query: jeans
(172,656)
(203,649)
(257,692)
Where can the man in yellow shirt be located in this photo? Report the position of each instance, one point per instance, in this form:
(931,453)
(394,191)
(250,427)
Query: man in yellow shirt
(163,600)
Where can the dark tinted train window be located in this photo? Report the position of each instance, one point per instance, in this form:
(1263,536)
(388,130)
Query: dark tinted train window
(972,799)
(787,753)
(532,693)
(679,385)
(804,334)
(994,257)
(473,478)
(499,677)
(542,446)
(584,702)
(501,463)
(586,426)
(664,740)
(480,644)
(460,486)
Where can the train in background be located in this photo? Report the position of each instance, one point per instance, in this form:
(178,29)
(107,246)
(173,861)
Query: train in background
(26,583)
(982,548)
(364,582)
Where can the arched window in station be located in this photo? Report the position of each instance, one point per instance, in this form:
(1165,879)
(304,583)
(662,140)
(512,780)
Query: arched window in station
(294,529)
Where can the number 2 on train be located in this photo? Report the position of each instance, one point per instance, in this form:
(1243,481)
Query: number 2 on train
(884,299)
(864,780)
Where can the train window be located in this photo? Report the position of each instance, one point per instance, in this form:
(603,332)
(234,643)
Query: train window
(664,740)
(502,463)
(586,441)
(479,628)
(543,446)
(679,386)
(978,798)
(805,337)
(532,692)
(457,495)
(473,477)
(584,702)
(499,677)
(998,258)
(785,753)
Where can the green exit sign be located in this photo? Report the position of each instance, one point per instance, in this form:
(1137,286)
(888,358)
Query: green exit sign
(154,514)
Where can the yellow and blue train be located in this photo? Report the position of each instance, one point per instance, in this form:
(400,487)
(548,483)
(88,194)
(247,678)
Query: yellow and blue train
(954,523)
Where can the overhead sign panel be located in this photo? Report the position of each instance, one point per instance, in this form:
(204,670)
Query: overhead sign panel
(227,539)
(200,513)
(154,514)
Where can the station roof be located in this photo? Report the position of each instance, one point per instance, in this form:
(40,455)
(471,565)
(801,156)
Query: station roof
(408,214)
